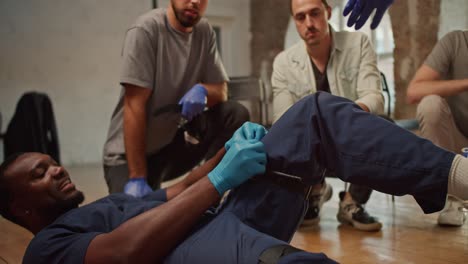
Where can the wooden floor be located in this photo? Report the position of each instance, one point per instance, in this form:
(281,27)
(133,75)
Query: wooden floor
(408,236)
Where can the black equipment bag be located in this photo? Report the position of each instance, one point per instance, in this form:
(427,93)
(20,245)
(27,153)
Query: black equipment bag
(32,128)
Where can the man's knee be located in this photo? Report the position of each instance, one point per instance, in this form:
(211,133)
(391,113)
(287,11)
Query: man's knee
(324,101)
(116,177)
(431,110)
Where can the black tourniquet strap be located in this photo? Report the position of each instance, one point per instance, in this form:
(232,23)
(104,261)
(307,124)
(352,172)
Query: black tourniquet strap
(289,182)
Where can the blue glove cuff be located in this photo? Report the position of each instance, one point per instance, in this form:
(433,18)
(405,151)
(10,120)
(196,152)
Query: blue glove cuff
(138,179)
(218,182)
(137,187)
(202,89)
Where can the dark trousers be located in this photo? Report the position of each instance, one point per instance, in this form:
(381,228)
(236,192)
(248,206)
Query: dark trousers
(319,132)
(359,193)
(325,132)
(212,128)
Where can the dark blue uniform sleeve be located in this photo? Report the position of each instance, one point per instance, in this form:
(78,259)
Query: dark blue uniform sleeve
(58,245)
(158,195)
(67,239)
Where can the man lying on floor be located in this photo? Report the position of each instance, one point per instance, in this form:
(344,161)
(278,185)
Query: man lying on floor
(260,215)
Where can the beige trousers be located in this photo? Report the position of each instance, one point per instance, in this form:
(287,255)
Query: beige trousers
(436,124)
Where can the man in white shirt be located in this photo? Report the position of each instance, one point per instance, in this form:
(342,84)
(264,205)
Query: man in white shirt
(341,63)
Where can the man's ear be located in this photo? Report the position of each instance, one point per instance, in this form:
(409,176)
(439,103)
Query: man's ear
(329,12)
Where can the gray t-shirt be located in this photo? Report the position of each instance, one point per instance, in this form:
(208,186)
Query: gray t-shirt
(158,57)
(450,59)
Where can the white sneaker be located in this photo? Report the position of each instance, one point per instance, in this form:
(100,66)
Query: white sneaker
(453,214)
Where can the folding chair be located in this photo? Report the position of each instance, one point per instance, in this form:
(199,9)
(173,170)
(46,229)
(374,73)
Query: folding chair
(408,124)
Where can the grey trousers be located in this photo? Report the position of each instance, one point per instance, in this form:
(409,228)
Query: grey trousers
(437,124)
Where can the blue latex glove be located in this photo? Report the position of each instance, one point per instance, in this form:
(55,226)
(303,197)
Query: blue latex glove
(194,101)
(248,131)
(137,187)
(362,9)
(242,161)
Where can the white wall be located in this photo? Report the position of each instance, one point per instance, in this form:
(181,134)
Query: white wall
(71,51)
(234,19)
(453,16)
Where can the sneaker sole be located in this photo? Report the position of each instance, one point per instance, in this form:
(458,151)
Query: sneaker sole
(451,223)
(363,227)
(451,215)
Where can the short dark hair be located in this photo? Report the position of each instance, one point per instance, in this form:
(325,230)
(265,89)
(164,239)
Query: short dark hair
(5,195)
(290,5)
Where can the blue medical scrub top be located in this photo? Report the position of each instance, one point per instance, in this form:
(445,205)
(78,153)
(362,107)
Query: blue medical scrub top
(224,238)
(67,239)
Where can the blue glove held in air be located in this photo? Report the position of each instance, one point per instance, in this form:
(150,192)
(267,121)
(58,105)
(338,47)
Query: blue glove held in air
(242,161)
(194,101)
(137,187)
(362,9)
(248,131)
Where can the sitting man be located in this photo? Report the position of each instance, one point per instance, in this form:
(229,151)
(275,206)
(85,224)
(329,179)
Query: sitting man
(341,63)
(440,86)
(319,132)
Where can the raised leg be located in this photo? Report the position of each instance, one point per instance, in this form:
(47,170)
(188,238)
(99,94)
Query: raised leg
(325,131)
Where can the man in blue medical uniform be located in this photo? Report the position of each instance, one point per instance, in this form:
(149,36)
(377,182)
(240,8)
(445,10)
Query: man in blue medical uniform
(259,216)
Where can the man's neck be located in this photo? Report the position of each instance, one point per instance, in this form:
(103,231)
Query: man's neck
(36,223)
(320,53)
(174,23)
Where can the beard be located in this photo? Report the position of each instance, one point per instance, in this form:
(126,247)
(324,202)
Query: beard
(185,21)
(72,202)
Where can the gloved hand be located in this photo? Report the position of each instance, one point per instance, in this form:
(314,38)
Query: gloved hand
(248,131)
(242,161)
(137,187)
(362,10)
(194,101)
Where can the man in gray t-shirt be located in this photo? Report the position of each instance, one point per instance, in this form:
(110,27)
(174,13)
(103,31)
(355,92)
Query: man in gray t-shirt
(170,61)
(440,86)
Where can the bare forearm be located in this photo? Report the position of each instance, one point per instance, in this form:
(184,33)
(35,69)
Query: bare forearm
(195,175)
(167,225)
(149,237)
(217,93)
(135,129)
(134,137)
(418,89)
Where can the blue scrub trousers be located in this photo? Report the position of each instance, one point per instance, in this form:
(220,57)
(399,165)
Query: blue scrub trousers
(325,131)
(319,132)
